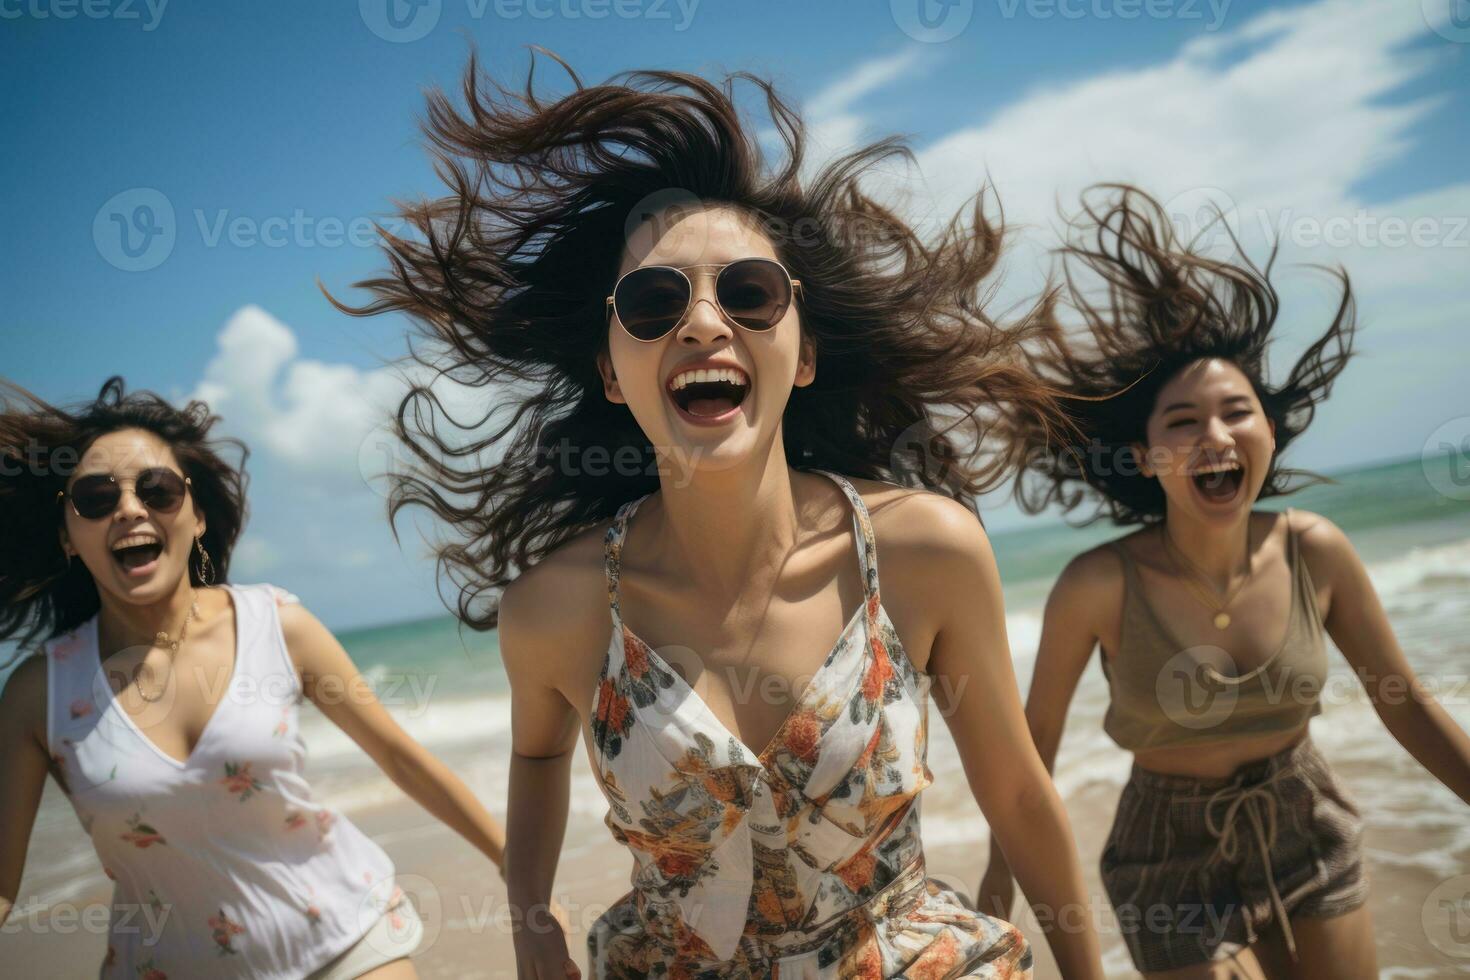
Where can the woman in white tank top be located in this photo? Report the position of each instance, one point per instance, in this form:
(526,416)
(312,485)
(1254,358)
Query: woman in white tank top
(166,707)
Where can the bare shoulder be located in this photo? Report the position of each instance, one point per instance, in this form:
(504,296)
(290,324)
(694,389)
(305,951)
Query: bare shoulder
(1096,574)
(1324,546)
(558,609)
(1315,532)
(314,650)
(297,622)
(296,619)
(23,702)
(1087,597)
(916,521)
(934,560)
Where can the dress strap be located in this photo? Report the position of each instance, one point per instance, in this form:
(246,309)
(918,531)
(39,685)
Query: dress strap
(1130,570)
(612,554)
(862,524)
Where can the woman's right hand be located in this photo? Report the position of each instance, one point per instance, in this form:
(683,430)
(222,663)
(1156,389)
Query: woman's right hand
(541,945)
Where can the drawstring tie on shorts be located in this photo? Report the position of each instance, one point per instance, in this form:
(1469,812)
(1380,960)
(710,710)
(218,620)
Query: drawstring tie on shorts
(1258,801)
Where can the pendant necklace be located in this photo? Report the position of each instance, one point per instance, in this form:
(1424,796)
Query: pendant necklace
(161,639)
(1191,571)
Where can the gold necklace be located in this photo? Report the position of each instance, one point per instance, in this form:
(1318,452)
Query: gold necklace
(1221,618)
(161,640)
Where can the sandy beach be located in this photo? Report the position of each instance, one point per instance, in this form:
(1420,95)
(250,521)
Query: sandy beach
(468,932)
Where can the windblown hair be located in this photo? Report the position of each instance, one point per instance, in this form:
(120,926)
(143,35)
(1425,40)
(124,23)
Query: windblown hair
(1166,307)
(508,273)
(42,593)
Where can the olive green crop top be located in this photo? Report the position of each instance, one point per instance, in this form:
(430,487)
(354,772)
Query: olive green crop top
(1165,694)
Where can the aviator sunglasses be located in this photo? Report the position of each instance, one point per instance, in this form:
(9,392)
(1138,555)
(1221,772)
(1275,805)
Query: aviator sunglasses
(651,300)
(159,488)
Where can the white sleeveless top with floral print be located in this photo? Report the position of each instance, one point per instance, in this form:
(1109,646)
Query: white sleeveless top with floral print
(223,864)
(801,861)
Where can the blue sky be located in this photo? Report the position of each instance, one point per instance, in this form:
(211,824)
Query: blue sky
(264,138)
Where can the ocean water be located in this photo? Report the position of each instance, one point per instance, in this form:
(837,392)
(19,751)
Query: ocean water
(446,686)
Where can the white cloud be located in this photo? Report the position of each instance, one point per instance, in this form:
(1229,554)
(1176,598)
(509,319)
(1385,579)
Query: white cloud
(832,124)
(319,444)
(311,414)
(835,127)
(1283,119)
(1285,112)
(321,419)
(869,76)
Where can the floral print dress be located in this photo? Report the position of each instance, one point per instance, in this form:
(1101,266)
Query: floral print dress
(223,865)
(803,860)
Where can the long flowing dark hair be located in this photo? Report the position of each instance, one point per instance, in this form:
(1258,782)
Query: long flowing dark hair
(508,272)
(42,594)
(1165,306)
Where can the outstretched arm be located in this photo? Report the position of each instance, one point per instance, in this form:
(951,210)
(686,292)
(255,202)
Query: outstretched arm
(1068,637)
(1360,628)
(332,682)
(22,772)
(972,672)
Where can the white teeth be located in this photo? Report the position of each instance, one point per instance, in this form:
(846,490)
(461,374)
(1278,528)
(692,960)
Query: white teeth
(1215,468)
(731,375)
(133,540)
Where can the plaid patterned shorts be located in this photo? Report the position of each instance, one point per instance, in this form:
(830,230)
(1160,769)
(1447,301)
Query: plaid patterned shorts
(1194,866)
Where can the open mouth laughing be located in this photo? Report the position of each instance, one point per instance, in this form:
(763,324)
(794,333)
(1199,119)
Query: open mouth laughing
(1218,483)
(137,553)
(705,395)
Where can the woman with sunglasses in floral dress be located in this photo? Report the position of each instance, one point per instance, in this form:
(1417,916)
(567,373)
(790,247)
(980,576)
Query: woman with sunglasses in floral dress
(165,705)
(713,369)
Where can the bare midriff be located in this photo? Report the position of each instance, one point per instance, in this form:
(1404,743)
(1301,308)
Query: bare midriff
(1216,760)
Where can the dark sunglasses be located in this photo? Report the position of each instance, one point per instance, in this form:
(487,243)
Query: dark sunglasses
(651,300)
(159,488)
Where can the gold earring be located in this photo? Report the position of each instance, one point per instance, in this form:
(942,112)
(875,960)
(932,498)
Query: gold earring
(206,567)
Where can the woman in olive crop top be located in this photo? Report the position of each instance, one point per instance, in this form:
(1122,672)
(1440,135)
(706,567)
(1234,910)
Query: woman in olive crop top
(1234,850)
